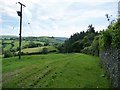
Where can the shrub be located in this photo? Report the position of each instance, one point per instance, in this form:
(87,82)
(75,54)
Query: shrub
(86,50)
(53,51)
(105,40)
(110,37)
(116,34)
(95,46)
(8,54)
(45,50)
(77,46)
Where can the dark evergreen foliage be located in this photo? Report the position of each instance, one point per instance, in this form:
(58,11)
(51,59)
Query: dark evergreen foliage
(79,41)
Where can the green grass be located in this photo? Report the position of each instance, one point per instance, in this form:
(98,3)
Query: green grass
(38,49)
(53,71)
(16,44)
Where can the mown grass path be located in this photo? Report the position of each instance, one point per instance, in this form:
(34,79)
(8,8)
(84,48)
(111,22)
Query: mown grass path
(53,71)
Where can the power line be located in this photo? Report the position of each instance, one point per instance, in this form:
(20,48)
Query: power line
(13,28)
(29,24)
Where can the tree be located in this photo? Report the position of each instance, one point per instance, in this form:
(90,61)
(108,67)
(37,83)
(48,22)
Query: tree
(46,44)
(32,44)
(110,37)
(86,41)
(77,46)
(95,46)
(116,34)
(78,41)
(45,50)
(91,29)
(3,44)
(8,54)
(12,44)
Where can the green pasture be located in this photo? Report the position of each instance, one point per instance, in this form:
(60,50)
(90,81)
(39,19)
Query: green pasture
(53,71)
(38,49)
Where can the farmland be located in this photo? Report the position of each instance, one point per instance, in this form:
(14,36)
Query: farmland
(29,45)
(73,70)
(12,42)
(38,49)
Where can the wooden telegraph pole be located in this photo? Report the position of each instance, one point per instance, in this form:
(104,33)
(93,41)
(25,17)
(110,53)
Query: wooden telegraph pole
(20,14)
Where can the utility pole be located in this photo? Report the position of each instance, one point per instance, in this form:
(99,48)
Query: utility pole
(20,14)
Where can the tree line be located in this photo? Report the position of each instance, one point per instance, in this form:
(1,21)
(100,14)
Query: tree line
(91,41)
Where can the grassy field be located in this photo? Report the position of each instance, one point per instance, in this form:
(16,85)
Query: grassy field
(38,49)
(53,71)
(12,42)
(16,43)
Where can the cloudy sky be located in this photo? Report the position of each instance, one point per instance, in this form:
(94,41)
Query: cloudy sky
(59,18)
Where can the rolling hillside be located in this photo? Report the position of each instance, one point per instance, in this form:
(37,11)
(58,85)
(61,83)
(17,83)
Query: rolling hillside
(8,42)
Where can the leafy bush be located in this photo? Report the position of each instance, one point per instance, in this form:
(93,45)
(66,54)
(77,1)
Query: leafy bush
(61,48)
(46,44)
(94,48)
(116,34)
(77,46)
(86,50)
(45,50)
(8,54)
(52,51)
(110,37)
(33,44)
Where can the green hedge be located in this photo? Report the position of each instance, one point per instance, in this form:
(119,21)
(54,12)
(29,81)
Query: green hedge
(110,37)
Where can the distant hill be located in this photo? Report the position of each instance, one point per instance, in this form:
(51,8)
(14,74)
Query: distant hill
(8,42)
(61,38)
(41,38)
(7,36)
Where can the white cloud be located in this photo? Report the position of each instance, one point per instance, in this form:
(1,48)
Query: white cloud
(57,17)
(44,17)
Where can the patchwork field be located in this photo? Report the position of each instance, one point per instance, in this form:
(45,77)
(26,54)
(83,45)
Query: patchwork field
(16,44)
(53,71)
(38,49)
